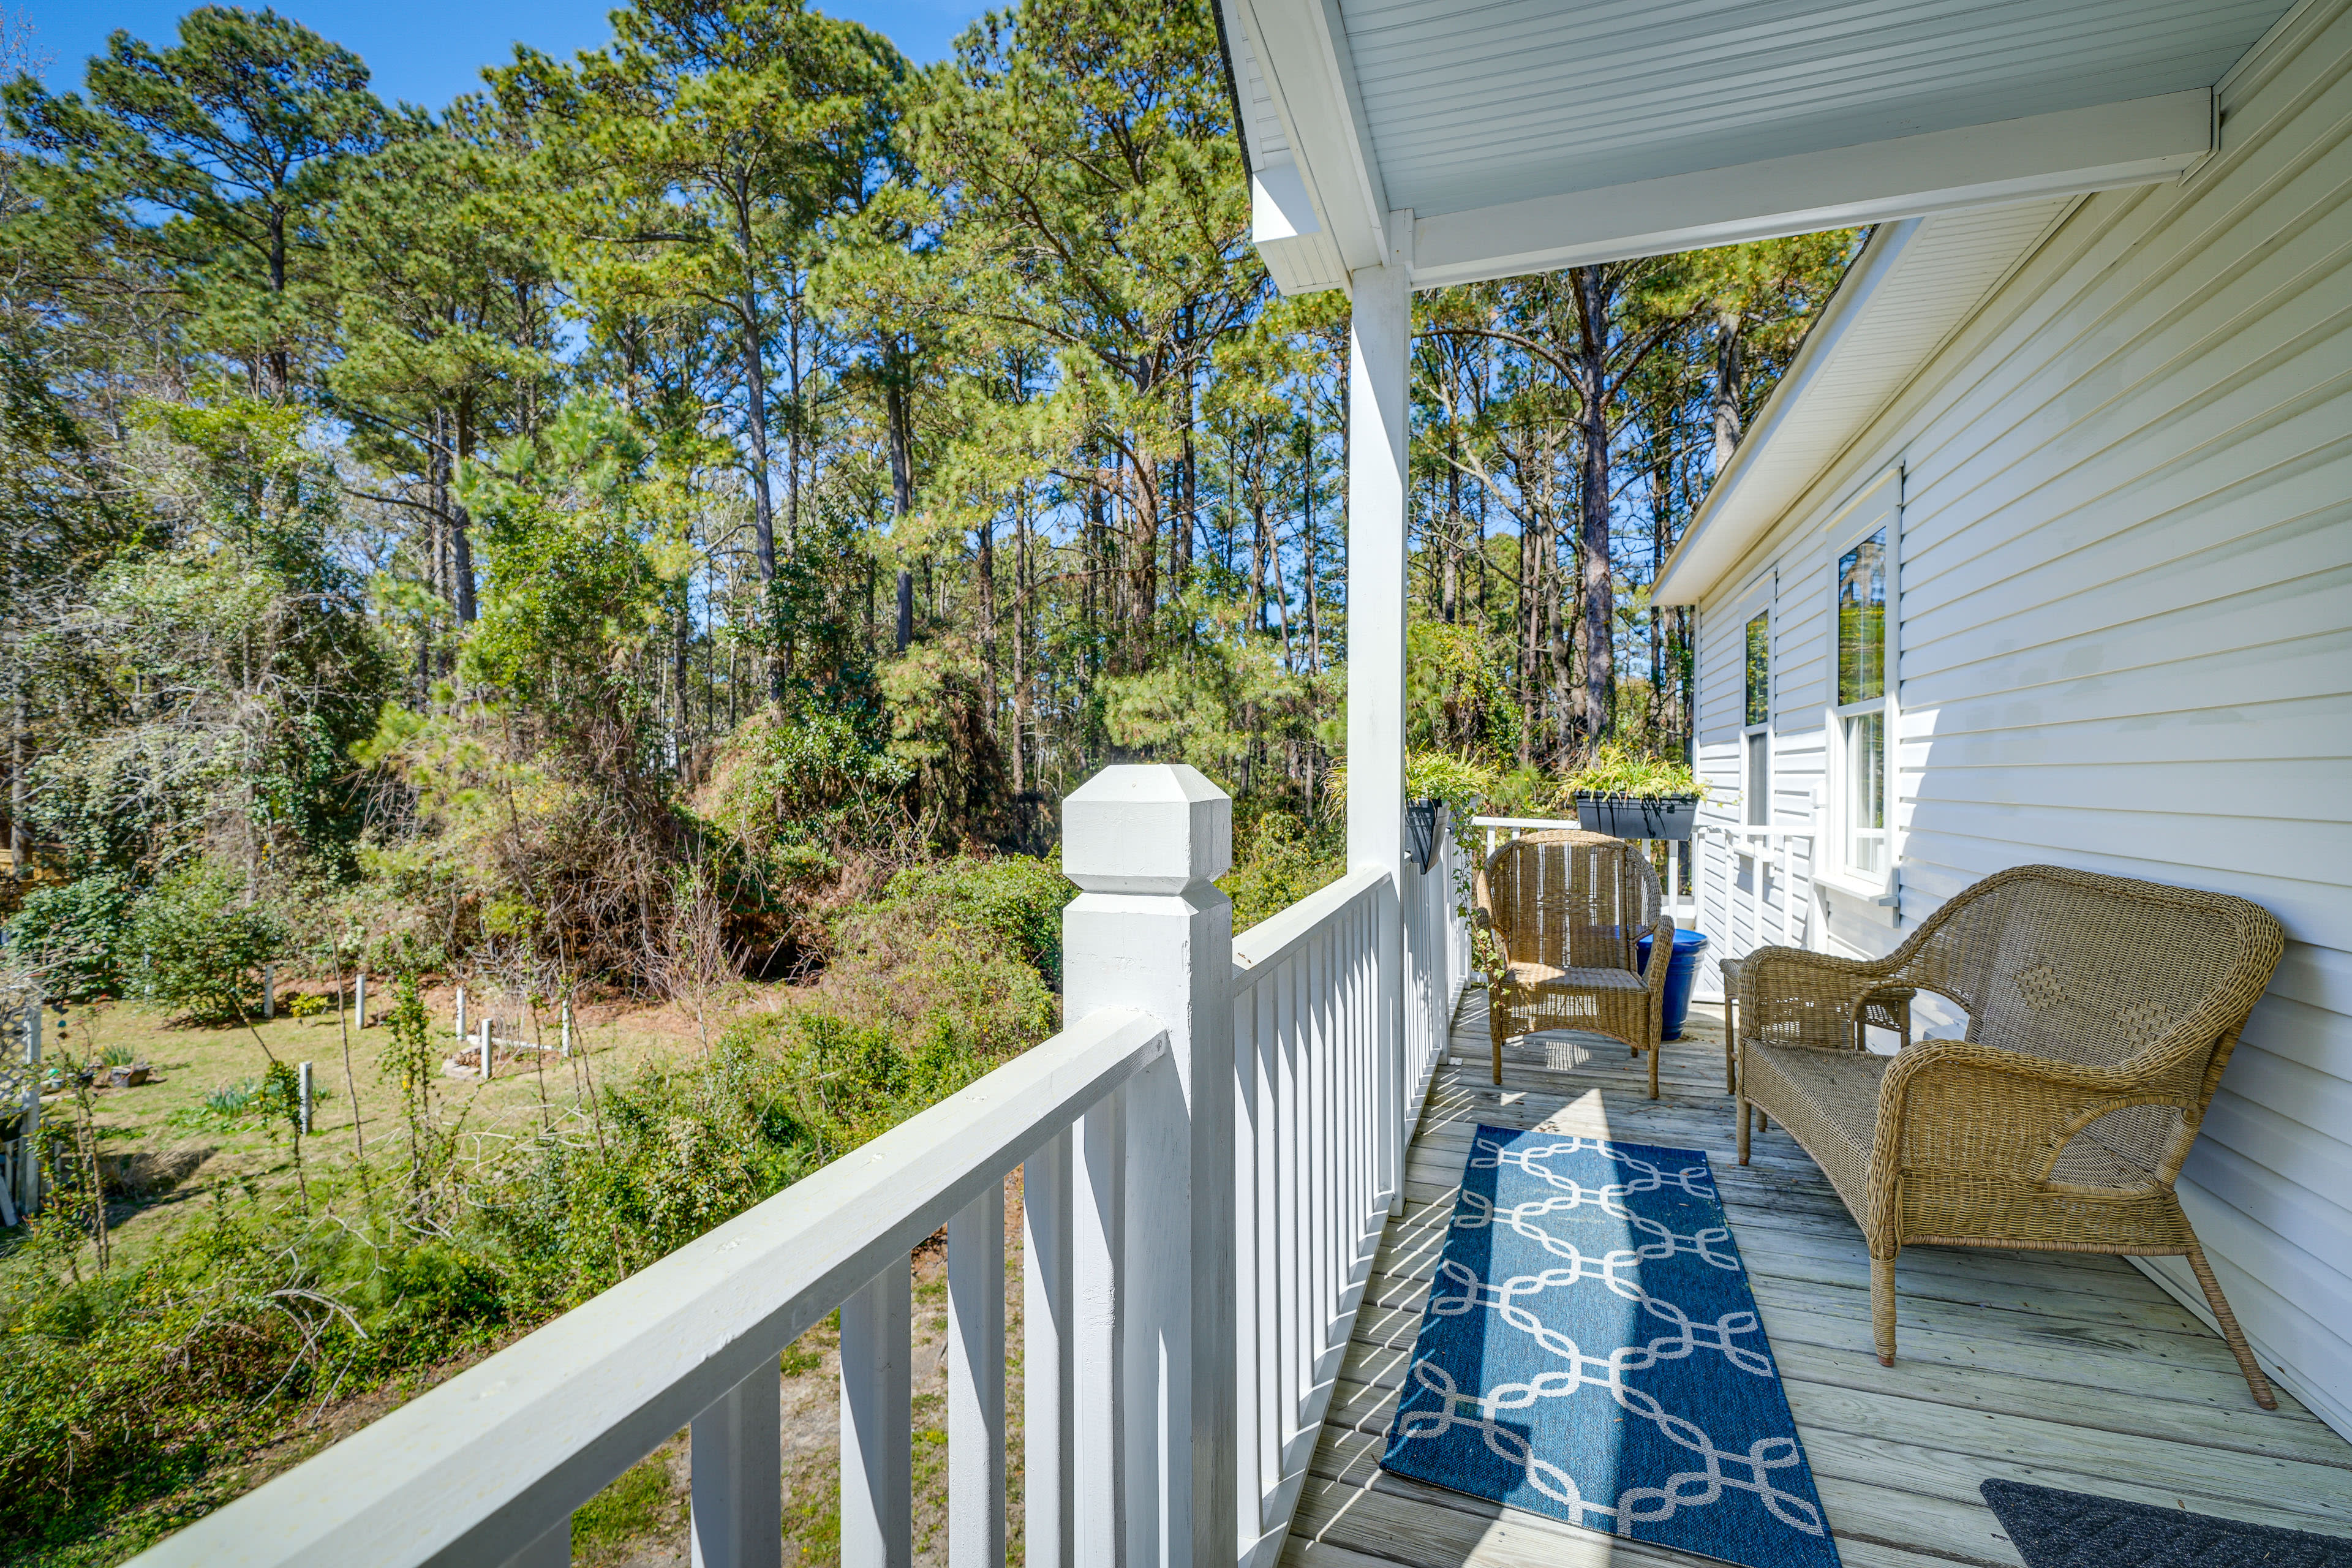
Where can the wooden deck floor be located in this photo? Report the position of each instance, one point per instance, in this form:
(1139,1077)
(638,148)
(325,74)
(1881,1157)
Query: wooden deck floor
(2073,1371)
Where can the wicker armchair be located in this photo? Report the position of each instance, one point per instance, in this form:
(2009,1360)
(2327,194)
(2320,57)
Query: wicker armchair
(1568,908)
(2101,1012)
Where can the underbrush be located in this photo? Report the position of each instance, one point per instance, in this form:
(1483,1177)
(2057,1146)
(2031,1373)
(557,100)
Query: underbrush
(137,1395)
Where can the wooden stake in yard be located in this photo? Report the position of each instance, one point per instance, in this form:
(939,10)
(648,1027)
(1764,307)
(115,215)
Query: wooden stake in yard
(269,991)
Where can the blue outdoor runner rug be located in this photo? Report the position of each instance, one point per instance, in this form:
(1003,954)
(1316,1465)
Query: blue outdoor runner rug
(1591,1350)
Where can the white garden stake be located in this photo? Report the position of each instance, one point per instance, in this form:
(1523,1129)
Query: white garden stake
(461,1012)
(359,1000)
(269,991)
(567,1031)
(486,1050)
(29,1168)
(305,1071)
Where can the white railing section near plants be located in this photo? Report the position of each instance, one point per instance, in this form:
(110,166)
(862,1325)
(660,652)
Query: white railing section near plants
(1328,1094)
(1208,1156)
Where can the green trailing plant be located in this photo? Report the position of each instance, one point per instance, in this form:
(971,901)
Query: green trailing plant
(1614,767)
(410,1064)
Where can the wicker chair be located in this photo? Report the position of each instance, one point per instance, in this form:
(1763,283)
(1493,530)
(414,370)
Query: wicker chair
(2101,1012)
(1568,908)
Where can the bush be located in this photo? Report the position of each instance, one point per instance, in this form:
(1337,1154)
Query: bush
(77,934)
(199,946)
(1286,860)
(1016,900)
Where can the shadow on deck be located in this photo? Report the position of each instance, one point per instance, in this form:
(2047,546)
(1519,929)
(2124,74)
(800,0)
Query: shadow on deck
(2063,1370)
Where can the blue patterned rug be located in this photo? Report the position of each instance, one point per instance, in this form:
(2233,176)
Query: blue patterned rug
(1591,1350)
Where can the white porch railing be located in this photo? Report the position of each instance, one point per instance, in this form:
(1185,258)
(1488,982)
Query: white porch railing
(1330,1091)
(1208,1156)
(1771,854)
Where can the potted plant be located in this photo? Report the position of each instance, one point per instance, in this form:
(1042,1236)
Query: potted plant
(1629,794)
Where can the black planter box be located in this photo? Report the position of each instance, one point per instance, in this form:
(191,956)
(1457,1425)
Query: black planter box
(1638,816)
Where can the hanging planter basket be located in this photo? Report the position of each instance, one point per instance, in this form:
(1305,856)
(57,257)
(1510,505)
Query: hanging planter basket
(1637,816)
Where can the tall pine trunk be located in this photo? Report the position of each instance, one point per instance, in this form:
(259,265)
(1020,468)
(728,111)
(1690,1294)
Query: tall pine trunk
(1593,502)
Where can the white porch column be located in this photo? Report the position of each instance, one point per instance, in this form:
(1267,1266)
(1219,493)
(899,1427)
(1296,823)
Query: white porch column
(1152,932)
(1380,348)
(1379,343)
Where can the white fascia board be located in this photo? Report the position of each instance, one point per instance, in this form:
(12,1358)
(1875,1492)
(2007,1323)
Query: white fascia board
(1289,237)
(2068,153)
(1301,48)
(1723,529)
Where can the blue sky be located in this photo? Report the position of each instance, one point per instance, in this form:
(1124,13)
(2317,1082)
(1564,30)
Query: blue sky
(429,51)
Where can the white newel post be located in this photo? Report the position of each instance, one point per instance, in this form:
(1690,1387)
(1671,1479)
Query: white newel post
(1152,1174)
(1379,343)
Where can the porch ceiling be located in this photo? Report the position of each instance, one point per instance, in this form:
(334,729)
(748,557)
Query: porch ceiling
(1526,135)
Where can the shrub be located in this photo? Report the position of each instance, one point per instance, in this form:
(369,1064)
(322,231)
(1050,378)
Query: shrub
(76,933)
(198,945)
(1286,860)
(1016,900)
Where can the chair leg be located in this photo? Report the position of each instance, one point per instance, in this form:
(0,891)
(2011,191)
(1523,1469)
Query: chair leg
(1743,1119)
(2259,1385)
(1730,1045)
(1656,1050)
(1882,1307)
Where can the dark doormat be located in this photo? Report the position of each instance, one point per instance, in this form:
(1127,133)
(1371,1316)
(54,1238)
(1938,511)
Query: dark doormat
(2053,1529)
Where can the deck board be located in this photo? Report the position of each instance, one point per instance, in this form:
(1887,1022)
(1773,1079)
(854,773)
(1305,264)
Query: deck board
(2066,1370)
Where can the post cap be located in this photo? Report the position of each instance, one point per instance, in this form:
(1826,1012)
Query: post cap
(1155,829)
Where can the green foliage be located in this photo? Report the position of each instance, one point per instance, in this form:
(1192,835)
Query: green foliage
(410,1064)
(1614,767)
(1281,862)
(642,1497)
(199,946)
(76,933)
(807,788)
(1012,899)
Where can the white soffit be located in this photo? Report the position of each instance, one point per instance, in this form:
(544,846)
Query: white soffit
(1916,283)
(1525,135)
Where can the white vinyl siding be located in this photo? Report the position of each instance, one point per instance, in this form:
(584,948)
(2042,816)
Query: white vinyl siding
(2125,631)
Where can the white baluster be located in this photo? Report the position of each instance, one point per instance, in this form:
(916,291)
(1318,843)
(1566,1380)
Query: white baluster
(552,1550)
(976,1383)
(1099,1340)
(877,1448)
(738,1518)
(1047,1303)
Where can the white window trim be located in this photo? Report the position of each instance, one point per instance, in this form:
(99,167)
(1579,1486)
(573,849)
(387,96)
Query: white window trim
(1876,896)
(1763,607)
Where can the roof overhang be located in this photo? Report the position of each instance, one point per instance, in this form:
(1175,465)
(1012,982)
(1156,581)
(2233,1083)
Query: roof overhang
(1916,283)
(1526,137)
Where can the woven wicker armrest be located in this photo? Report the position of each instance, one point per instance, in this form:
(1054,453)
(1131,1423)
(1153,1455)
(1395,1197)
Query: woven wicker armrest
(1792,997)
(1662,953)
(1959,1108)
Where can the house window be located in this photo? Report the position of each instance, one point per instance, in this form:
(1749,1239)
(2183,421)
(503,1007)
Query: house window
(1756,754)
(1860,712)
